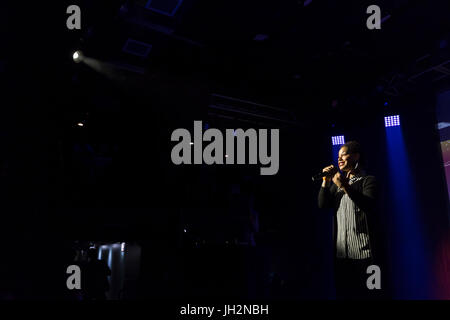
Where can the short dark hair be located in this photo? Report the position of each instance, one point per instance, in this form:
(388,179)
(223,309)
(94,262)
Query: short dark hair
(355,147)
(352,147)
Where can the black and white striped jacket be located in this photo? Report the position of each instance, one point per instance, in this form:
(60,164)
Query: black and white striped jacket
(354,216)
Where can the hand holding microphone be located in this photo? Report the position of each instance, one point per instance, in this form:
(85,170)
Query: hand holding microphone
(327,172)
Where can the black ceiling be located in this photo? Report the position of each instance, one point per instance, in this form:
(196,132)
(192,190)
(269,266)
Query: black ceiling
(312,55)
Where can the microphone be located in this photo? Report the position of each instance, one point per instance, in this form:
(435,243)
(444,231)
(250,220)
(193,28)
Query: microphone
(319,176)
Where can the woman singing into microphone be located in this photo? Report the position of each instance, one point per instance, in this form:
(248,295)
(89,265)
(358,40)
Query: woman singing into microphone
(353,196)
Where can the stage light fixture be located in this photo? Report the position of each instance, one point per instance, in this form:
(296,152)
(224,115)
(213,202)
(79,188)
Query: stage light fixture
(392,121)
(338,140)
(77,56)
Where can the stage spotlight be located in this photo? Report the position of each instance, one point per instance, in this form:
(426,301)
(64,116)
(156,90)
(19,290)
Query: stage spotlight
(338,140)
(77,56)
(80,124)
(392,121)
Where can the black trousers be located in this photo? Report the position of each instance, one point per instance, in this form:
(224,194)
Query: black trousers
(351,280)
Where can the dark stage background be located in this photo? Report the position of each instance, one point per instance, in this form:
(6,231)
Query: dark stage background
(322,72)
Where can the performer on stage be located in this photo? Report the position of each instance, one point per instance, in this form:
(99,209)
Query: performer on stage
(353,196)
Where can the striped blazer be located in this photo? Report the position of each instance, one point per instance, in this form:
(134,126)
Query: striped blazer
(363,192)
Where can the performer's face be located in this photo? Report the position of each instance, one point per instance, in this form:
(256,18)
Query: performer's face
(346,161)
